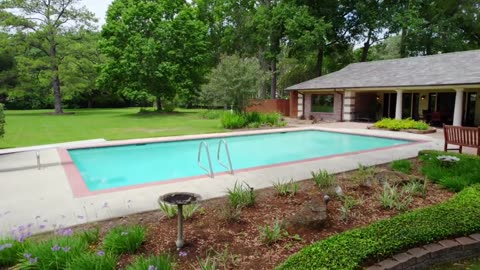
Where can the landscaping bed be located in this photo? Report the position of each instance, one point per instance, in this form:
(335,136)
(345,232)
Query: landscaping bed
(213,238)
(404,125)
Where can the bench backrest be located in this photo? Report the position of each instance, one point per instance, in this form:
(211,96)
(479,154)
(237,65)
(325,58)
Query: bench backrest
(464,136)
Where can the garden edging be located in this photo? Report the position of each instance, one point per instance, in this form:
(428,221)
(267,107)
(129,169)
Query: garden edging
(441,252)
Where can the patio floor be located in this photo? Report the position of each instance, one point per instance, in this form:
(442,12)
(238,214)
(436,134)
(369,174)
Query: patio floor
(44,198)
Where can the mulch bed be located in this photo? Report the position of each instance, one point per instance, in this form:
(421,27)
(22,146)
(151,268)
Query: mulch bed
(238,246)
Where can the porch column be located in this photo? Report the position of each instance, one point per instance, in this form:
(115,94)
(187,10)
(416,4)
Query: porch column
(300,105)
(348,106)
(457,112)
(399,105)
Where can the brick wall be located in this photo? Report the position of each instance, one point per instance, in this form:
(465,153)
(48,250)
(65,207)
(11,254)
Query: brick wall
(336,115)
(269,106)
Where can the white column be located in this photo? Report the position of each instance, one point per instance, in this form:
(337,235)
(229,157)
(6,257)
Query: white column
(348,105)
(399,105)
(300,105)
(457,112)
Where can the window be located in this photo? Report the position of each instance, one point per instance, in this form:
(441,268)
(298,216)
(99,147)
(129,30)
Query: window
(322,103)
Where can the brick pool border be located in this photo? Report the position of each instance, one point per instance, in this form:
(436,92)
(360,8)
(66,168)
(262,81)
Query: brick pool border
(444,251)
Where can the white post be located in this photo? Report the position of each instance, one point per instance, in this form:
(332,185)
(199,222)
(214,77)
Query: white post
(348,106)
(457,112)
(399,105)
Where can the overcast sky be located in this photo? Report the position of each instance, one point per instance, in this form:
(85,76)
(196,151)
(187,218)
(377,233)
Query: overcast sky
(99,7)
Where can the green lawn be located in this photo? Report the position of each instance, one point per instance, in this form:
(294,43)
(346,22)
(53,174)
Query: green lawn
(24,128)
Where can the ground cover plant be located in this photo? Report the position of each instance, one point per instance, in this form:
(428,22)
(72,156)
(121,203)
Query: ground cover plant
(396,125)
(451,170)
(352,249)
(124,239)
(402,165)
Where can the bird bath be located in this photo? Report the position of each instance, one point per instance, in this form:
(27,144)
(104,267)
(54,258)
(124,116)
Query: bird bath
(180,199)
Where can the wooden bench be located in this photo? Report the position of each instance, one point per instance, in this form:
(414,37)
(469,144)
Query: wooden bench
(462,136)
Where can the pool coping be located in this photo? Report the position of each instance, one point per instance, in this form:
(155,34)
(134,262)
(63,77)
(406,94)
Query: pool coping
(80,189)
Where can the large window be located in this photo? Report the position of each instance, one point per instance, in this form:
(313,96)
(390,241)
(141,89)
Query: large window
(322,103)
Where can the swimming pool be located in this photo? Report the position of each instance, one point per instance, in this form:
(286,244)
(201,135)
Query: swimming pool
(119,166)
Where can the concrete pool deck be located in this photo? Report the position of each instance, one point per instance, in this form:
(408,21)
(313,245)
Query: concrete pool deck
(44,198)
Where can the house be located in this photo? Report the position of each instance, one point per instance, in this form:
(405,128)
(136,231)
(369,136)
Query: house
(442,88)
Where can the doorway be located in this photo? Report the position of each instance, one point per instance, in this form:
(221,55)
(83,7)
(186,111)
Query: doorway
(470,109)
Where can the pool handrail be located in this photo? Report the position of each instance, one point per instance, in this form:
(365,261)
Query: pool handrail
(230,167)
(209,172)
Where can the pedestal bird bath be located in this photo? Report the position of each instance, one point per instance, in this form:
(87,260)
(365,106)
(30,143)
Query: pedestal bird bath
(180,199)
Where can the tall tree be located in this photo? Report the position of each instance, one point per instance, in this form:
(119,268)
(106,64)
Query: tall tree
(42,21)
(154,46)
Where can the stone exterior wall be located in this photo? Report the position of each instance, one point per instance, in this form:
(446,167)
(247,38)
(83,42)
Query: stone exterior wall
(425,256)
(336,115)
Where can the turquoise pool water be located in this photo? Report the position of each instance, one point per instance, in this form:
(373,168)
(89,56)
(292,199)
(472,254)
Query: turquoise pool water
(119,166)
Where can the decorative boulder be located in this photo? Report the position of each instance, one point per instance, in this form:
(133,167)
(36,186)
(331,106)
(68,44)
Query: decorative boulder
(313,214)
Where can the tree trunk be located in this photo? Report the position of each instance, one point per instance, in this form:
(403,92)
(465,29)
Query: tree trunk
(403,45)
(366,47)
(319,61)
(57,94)
(273,87)
(158,103)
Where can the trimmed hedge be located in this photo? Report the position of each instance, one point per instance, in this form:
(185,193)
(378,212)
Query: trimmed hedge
(394,124)
(352,249)
(455,176)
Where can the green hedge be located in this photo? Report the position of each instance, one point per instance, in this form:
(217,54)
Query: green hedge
(352,249)
(394,124)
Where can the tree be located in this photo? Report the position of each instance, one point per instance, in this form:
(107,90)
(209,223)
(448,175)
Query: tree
(234,82)
(41,22)
(154,46)
(2,121)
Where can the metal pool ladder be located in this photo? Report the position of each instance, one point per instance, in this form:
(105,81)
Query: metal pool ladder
(209,172)
(224,143)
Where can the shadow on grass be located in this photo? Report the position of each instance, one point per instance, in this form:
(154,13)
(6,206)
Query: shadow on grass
(156,114)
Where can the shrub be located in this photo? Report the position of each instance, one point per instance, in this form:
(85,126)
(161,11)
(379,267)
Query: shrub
(2,120)
(324,180)
(242,195)
(271,119)
(233,120)
(253,117)
(10,252)
(393,198)
(402,165)
(162,262)
(169,210)
(124,239)
(91,236)
(347,204)
(395,125)
(351,249)
(286,188)
(93,261)
(272,234)
(416,188)
(454,176)
(53,253)
(231,214)
(363,175)
(189,210)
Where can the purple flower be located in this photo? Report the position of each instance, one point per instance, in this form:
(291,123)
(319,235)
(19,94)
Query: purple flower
(123,233)
(100,253)
(56,248)
(105,205)
(66,232)
(27,255)
(32,260)
(66,249)
(21,228)
(41,227)
(29,225)
(152,267)
(182,253)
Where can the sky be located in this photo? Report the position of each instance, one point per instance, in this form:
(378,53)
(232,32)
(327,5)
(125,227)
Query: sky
(99,7)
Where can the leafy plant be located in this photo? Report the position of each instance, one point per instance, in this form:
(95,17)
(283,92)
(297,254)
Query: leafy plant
(10,252)
(225,258)
(393,198)
(242,195)
(124,239)
(233,120)
(353,248)
(93,261)
(416,188)
(286,188)
(323,179)
(272,234)
(345,209)
(53,253)
(169,210)
(395,124)
(91,236)
(209,263)
(189,210)
(162,262)
(363,175)
(230,213)
(402,165)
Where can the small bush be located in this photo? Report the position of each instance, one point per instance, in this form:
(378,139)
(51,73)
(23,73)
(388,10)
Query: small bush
(253,117)
(2,120)
(242,195)
(93,261)
(363,175)
(324,180)
(169,210)
(233,120)
(209,263)
(10,252)
(231,214)
(353,248)
(345,209)
(455,176)
(286,188)
(272,234)
(162,262)
(402,165)
(189,210)
(396,125)
(91,236)
(53,253)
(416,188)
(124,239)
(394,198)
(271,119)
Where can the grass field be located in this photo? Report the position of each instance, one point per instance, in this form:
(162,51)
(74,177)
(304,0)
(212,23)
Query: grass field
(24,128)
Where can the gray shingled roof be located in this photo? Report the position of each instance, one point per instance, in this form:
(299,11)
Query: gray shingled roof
(441,69)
